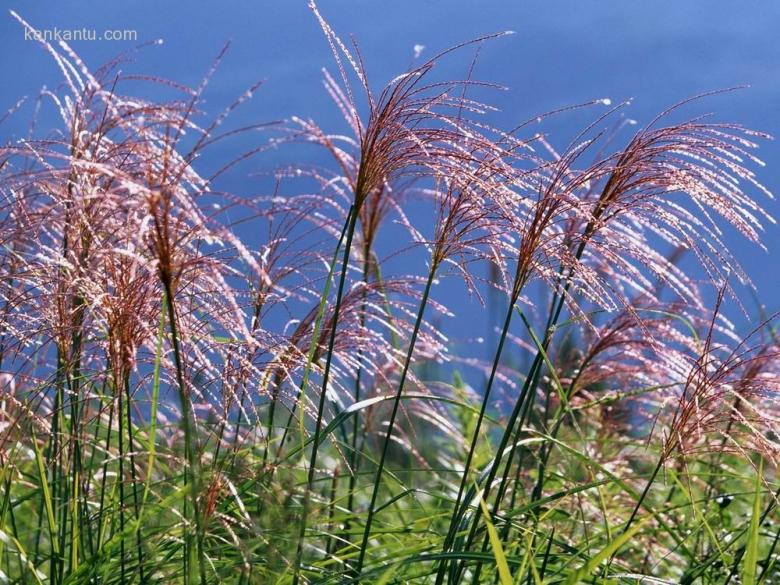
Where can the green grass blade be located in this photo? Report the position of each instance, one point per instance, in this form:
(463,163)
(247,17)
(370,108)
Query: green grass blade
(6,538)
(504,576)
(48,503)
(604,554)
(749,568)
(153,409)
(315,336)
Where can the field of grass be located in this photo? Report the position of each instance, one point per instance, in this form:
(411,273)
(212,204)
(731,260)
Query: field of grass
(208,387)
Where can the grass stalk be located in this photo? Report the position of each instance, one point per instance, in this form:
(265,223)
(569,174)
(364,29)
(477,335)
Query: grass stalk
(134,479)
(522,408)
(354,455)
(315,336)
(352,221)
(194,557)
(457,510)
(391,422)
(121,480)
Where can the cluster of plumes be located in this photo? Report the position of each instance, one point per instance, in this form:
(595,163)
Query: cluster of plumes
(607,237)
(730,393)
(676,372)
(605,226)
(417,136)
(104,219)
(95,217)
(100,222)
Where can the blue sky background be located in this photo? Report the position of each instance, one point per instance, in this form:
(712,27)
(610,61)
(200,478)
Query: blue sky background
(564,52)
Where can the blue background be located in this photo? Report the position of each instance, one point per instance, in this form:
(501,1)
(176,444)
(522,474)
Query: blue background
(564,52)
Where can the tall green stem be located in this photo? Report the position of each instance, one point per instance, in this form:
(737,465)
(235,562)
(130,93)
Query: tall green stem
(314,343)
(323,395)
(104,474)
(134,478)
(354,459)
(121,480)
(457,512)
(522,407)
(188,427)
(391,422)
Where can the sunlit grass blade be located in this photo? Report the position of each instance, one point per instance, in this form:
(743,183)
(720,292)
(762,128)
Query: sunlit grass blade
(750,562)
(504,575)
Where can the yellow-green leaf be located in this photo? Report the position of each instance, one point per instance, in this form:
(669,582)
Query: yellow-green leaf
(495,543)
(751,552)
